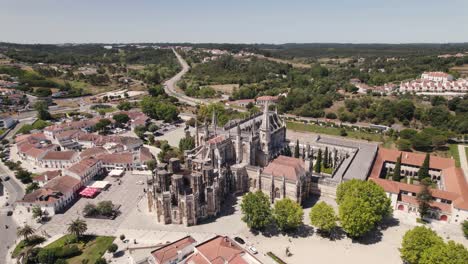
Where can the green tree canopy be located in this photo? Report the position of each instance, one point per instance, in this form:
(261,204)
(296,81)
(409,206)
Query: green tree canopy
(323,217)
(42,110)
(450,253)
(256,210)
(416,241)
(362,205)
(121,119)
(288,214)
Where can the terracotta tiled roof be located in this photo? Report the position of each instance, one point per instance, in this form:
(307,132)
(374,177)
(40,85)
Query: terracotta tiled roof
(168,252)
(145,155)
(35,152)
(409,158)
(83,166)
(50,175)
(267,98)
(63,184)
(440,206)
(216,140)
(92,152)
(117,158)
(41,196)
(288,167)
(455,182)
(221,249)
(59,155)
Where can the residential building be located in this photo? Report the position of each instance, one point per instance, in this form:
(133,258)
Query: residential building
(59,159)
(174,252)
(53,197)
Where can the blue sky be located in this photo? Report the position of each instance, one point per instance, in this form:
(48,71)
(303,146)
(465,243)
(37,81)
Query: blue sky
(234,21)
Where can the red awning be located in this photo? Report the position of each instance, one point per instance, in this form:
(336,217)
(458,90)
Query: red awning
(89,192)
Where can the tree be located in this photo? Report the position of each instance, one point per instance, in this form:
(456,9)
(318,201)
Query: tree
(101,261)
(296,149)
(288,214)
(397,171)
(357,216)
(156,90)
(102,125)
(323,217)
(37,212)
(105,208)
(439,141)
(26,232)
(416,241)
(151,164)
(362,205)
(124,106)
(112,248)
(90,210)
(77,227)
(424,169)
(122,237)
(403,144)
(450,253)
(421,141)
(42,110)
(465,228)
(424,197)
(256,210)
(32,187)
(318,162)
(121,119)
(187,143)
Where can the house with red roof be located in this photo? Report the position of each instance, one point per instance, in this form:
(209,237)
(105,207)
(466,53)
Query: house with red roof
(450,193)
(174,252)
(53,197)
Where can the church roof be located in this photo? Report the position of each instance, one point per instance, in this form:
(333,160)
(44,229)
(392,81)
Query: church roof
(288,167)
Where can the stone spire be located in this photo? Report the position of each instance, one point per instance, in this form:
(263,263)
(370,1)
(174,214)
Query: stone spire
(214,121)
(207,133)
(239,152)
(196,133)
(266,118)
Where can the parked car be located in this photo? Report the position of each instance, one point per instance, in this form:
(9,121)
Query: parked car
(239,240)
(6,178)
(253,250)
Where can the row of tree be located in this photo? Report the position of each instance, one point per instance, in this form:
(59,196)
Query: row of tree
(362,206)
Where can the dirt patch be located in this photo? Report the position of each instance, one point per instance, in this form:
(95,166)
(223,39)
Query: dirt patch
(225,88)
(463,70)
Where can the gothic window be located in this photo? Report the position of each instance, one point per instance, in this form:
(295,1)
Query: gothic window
(277,193)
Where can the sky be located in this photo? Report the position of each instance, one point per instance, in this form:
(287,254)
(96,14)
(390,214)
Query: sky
(234,21)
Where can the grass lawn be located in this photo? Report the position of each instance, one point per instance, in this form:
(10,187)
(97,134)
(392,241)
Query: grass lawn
(453,149)
(92,247)
(466,151)
(335,131)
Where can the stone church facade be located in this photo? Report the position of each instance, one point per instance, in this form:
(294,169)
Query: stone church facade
(242,156)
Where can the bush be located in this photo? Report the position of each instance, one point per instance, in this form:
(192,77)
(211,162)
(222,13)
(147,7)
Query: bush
(465,228)
(331,115)
(112,248)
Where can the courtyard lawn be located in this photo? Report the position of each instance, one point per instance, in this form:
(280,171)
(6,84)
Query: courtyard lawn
(335,131)
(453,149)
(92,247)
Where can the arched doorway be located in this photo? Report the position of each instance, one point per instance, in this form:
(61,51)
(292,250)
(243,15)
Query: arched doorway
(443,218)
(401,207)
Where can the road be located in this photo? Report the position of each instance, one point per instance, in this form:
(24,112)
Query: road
(15,192)
(170,85)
